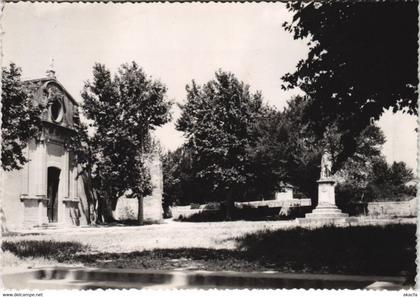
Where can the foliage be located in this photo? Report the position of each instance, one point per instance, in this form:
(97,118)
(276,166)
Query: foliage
(216,121)
(357,66)
(180,185)
(281,147)
(121,111)
(298,151)
(381,182)
(388,182)
(268,152)
(21,118)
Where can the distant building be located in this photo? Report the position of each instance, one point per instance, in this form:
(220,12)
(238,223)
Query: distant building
(48,190)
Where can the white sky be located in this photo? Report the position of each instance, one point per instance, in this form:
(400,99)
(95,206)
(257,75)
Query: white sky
(174,43)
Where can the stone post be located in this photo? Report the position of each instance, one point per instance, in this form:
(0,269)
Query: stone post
(326,208)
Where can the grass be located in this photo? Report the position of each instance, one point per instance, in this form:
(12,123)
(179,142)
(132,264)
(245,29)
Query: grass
(366,250)
(56,250)
(375,250)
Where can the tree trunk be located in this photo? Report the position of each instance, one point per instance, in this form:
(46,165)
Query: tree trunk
(230,205)
(104,211)
(140,215)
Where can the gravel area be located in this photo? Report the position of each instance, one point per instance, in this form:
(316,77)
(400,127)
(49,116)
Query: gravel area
(169,235)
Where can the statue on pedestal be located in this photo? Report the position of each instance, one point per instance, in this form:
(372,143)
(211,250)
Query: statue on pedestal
(326,165)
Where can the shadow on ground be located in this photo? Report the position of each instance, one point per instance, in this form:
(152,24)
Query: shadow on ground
(364,250)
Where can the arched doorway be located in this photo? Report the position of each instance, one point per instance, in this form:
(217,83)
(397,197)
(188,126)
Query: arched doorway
(53,182)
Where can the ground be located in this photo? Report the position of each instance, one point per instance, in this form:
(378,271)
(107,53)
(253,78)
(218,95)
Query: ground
(170,235)
(369,248)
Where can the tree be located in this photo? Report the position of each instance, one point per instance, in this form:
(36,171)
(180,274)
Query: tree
(268,153)
(303,149)
(21,118)
(362,60)
(180,183)
(121,111)
(389,182)
(216,120)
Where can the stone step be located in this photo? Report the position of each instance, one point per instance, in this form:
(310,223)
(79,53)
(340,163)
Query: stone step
(326,215)
(327,206)
(326,210)
(323,221)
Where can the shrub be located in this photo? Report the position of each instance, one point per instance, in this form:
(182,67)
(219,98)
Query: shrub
(195,206)
(213,206)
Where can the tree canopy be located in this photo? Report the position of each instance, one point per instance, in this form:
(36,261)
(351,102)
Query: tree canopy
(293,148)
(216,120)
(362,61)
(279,148)
(21,118)
(121,110)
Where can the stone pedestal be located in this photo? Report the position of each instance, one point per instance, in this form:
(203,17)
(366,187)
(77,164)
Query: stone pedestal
(326,208)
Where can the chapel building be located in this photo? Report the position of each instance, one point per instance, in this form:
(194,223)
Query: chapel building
(48,191)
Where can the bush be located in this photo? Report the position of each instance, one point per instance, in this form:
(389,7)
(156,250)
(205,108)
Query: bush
(204,216)
(195,206)
(213,206)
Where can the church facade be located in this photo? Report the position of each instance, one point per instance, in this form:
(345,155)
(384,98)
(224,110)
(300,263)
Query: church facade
(48,191)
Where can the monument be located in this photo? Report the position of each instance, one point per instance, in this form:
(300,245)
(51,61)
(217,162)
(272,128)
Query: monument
(326,208)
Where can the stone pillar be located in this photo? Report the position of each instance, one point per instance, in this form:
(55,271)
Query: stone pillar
(326,191)
(35,201)
(63,189)
(152,204)
(73,178)
(42,212)
(326,208)
(37,179)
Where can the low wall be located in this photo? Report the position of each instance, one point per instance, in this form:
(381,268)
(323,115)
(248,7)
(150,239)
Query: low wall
(393,208)
(187,211)
(275,203)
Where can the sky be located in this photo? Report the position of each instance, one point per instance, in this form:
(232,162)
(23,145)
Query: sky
(174,43)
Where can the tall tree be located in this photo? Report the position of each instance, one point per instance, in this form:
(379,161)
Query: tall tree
(180,183)
(389,182)
(268,152)
(216,120)
(362,60)
(121,111)
(302,149)
(21,118)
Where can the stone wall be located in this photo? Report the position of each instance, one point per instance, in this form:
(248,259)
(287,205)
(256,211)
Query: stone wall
(13,185)
(152,205)
(283,204)
(393,208)
(185,211)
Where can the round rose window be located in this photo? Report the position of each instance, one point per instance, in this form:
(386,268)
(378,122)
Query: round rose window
(56,111)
